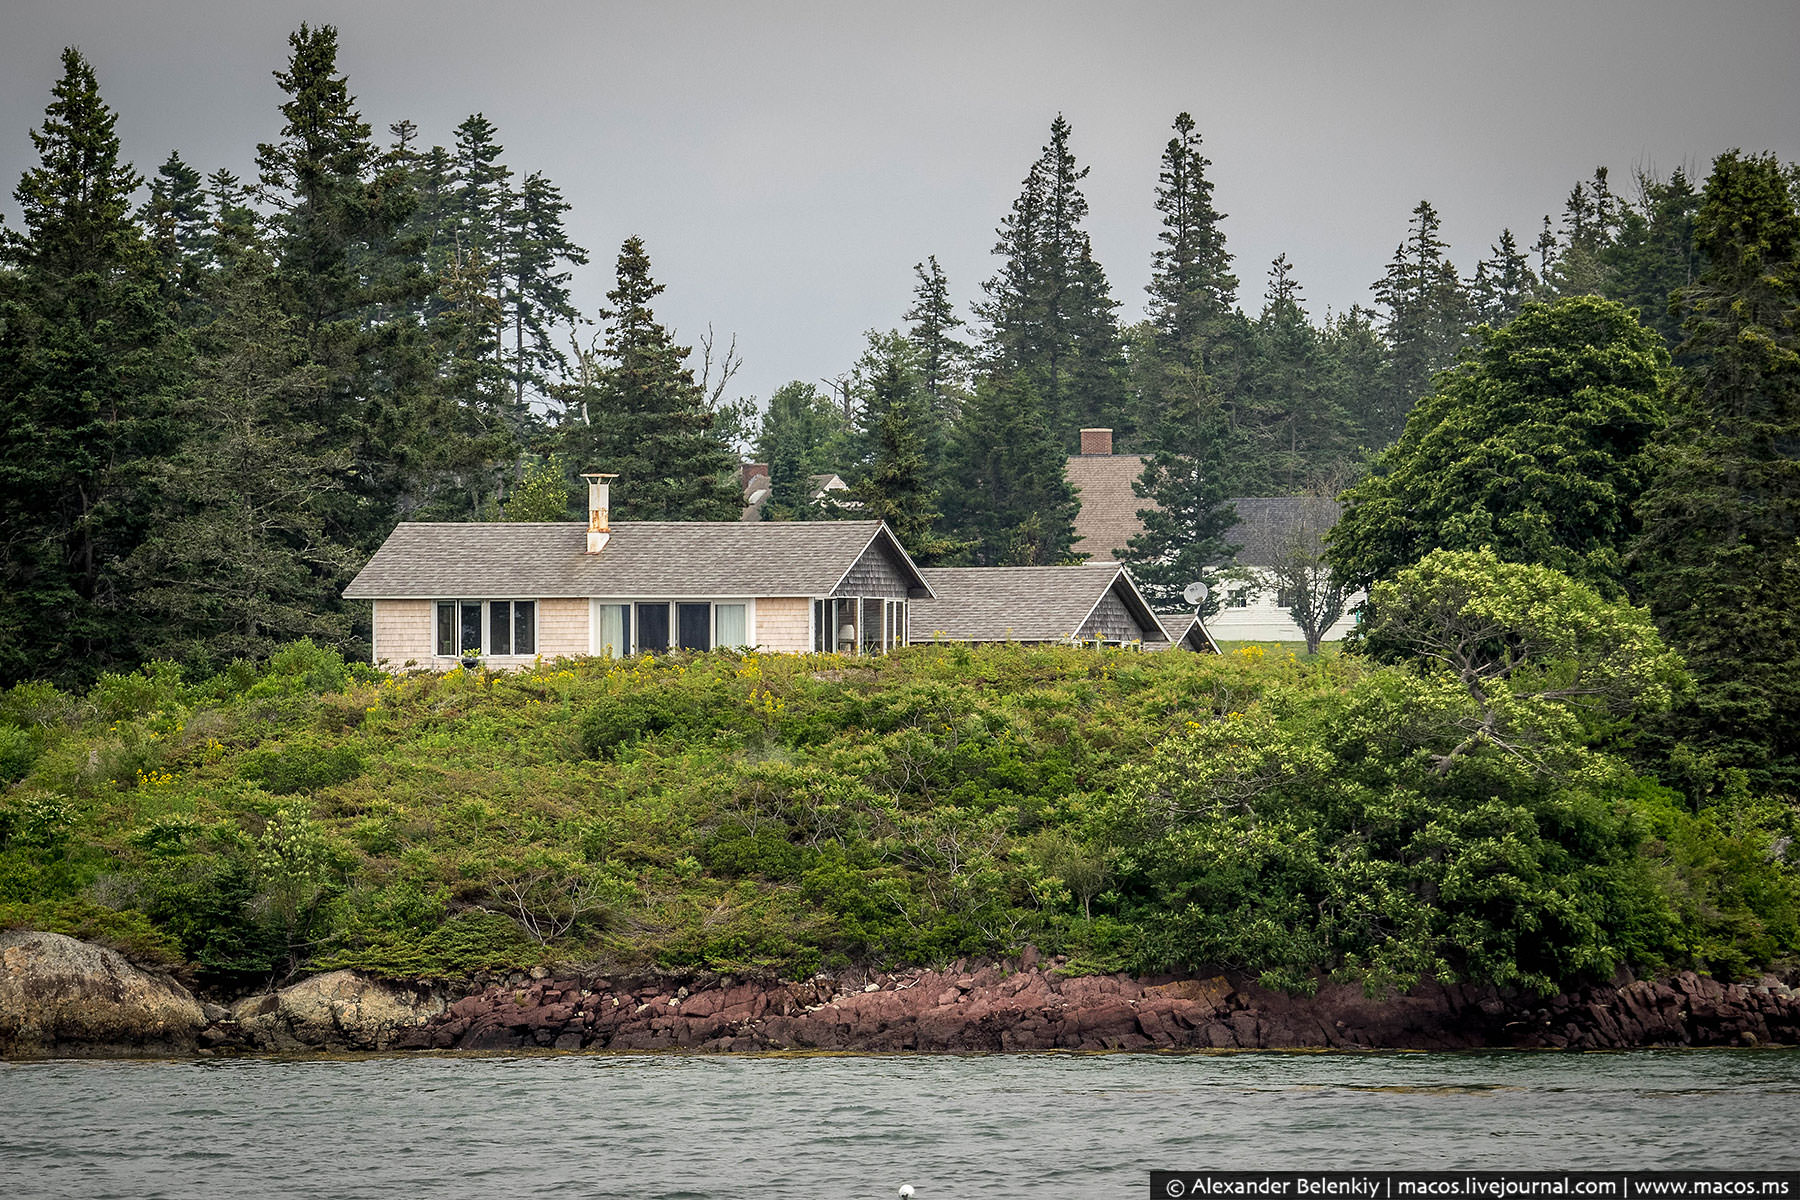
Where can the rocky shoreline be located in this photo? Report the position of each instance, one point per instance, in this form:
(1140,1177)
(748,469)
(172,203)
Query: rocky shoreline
(64,998)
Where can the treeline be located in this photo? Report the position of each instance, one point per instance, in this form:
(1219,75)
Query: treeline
(218,395)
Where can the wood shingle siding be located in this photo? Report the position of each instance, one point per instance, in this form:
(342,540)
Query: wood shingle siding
(402,632)
(878,572)
(1113,622)
(784,624)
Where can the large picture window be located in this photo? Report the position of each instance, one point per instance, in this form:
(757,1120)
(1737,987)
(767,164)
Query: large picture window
(486,627)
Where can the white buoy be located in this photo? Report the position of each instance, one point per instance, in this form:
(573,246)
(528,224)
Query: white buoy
(906,1191)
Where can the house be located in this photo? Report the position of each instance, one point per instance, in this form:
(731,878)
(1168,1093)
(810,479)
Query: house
(1098,604)
(508,592)
(758,489)
(1253,607)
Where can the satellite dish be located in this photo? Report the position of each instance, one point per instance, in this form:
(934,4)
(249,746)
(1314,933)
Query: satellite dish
(1194,593)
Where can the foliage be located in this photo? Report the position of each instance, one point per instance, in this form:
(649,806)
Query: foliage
(746,812)
(1536,447)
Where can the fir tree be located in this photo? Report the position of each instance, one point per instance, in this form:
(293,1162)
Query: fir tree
(1427,321)
(180,230)
(1292,433)
(892,480)
(1653,256)
(1719,559)
(1049,312)
(645,417)
(90,363)
(1186,480)
(1010,501)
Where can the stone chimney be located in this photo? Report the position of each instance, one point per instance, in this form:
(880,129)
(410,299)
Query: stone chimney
(1096,441)
(599,510)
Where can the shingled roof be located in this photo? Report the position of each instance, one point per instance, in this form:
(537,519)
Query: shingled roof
(1108,518)
(643,559)
(1022,604)
(1109,512)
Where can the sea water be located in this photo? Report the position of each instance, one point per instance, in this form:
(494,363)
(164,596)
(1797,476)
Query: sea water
(860,1126)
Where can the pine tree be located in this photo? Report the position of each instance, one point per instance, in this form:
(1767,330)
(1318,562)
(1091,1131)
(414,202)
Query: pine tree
(1010,501)
(892,480)
(1293,434)
(1719,559)
(536,298)
(345,273)
(1049,312)
(1653,256)
(1503,282)
(1427,321)
(180,230)
(943,360)
(803,434)
(1591,217)
(90,363)
(1186,479)
(646,418)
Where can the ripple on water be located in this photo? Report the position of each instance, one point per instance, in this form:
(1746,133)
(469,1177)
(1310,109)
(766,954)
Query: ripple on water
(700,1127)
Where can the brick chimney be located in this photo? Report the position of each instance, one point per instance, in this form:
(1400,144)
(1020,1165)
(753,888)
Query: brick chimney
(1096,441)
(599,510)
(749,471)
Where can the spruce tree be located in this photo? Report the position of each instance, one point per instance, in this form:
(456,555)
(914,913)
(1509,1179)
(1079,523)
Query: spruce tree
(943,360)
(1719,559)
(1191,285)
(1010,501)
(1293,433)
(536,299)
(1503,282)
(1049,312)
(892,480)
(1427,321)
(1653,256)
(180,230)
(90,364)
(1186,479)
(645,418)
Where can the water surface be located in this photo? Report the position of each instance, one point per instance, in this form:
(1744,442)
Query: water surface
(1046,1125)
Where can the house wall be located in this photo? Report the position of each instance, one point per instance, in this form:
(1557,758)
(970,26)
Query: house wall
(784,624)
(1262,621)
(402,633)
(562,630)
(876,573)
(1112,621)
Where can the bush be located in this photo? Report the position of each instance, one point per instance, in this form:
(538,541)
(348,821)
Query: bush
(300,767)
(18,754)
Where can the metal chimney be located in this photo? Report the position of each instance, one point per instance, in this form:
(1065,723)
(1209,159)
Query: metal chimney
(599,510)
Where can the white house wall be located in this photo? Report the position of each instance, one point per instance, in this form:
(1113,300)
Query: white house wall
(1261,620)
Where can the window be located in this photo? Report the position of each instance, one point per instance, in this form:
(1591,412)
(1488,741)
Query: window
(510,628)
(730,628)
(896,623)
(653,628)
(694,624)
(612,634)
(822,632)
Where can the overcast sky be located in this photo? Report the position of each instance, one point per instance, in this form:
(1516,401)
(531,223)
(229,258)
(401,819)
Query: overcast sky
(788,163)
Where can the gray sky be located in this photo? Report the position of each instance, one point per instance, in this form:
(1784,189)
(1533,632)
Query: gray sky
(788,163)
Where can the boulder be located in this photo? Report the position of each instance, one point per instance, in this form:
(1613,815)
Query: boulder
(60,996)
(340,1010)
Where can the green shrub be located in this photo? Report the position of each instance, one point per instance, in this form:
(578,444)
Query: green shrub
(19,750)
(303,766)
(128,931)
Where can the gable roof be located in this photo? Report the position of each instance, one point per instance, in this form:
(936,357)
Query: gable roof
(649,559)
(1022,604)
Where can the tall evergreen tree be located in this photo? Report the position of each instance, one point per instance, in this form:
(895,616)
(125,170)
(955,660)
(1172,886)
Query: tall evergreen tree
(1049,312)
(180,230)
(345,274)
(1010,500)
(1654,256)
(242,561)
(536,298)
(1427,320)
(1719,557)
(1186,479)
(646,418)
(943,360)
(90,364)
(1191,285)
(892,479)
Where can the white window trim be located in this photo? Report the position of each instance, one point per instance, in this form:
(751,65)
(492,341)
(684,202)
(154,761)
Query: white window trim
(631,602)
(537,627)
